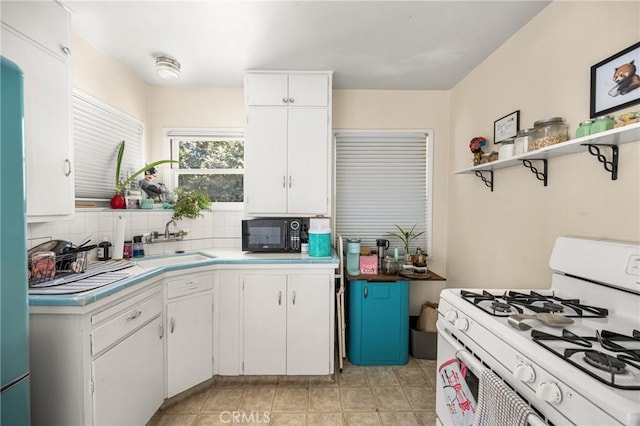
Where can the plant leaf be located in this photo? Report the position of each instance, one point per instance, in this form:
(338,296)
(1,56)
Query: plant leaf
(118,164)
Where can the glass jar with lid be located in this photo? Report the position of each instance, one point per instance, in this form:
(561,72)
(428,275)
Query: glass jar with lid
(584,129)
(506,149)
(522,140)
(549,132)
(602,123)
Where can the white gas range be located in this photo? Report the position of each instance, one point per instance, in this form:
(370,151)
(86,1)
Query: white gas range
(584,373)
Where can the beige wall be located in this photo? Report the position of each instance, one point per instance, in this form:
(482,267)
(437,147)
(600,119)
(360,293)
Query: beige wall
(503,239)
(102,77)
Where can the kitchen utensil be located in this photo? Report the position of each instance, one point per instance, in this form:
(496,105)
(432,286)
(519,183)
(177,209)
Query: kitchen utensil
(65,251)
(552,320)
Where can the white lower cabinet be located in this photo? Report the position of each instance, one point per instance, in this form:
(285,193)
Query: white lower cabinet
(287,323)
(189,332)
(128,380)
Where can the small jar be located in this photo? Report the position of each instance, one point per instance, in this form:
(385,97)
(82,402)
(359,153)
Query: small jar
(127,250)
(389,266)
(507,149)
(549,132)
(603,123)
(584,129)
(521,142)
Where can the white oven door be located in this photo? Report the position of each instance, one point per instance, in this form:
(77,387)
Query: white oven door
(471,369)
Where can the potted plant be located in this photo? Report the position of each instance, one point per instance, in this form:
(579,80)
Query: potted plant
(118,201)
(190,204)
(406,237)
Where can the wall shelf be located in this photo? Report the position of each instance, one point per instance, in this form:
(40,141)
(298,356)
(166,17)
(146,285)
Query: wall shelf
(597,145)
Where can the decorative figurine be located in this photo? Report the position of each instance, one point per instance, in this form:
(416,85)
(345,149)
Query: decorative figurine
(153,190)
(475,146)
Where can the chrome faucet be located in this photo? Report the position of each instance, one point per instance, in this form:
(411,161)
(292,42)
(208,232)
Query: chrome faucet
(166,228)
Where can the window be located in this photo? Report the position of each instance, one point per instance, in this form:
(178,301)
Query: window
(383,179)
(212,163)
(98,130)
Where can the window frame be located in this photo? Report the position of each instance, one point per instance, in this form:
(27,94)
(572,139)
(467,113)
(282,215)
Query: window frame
(430,143)
(174,135)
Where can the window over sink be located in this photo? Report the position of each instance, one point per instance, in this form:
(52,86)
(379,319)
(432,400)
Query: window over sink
(210,161)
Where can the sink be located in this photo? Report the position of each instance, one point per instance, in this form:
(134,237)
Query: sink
(171,259)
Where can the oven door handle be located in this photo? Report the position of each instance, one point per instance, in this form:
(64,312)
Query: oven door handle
(462,354)
(474,364)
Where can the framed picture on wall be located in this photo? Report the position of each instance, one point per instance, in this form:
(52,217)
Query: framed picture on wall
(615,82)
(506,127)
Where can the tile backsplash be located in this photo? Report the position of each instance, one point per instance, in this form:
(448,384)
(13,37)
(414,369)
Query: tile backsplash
(219,229)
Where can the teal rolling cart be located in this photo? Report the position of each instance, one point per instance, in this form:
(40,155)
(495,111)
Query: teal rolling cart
(378,327)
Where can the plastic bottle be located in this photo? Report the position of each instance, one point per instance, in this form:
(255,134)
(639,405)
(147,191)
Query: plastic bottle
(138,249)
(104,249)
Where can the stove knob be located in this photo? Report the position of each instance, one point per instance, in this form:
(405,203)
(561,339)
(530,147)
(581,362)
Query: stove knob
(524,373)
(461,324)
(549,392)
(451,315)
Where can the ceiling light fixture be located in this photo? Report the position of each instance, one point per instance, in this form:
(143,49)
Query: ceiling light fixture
(167,67)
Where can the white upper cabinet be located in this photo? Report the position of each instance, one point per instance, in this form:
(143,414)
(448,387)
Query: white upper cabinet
(36,36)
(288,89)
(287,143)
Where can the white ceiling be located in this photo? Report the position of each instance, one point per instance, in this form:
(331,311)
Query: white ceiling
(429,45)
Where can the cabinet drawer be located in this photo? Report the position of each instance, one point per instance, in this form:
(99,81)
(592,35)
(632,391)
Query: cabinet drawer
(124,323)
(189,285)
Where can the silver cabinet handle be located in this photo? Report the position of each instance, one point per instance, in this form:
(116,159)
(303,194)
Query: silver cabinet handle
(366,291)
(285,100)
(293,297)
(172,325)
(134,315)
(66,50)
(279,298)
(284,180)
(161,331)
(289,181)
(68,163)
(291,100)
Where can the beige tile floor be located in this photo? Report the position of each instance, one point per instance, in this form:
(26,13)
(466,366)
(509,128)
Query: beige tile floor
(389,395)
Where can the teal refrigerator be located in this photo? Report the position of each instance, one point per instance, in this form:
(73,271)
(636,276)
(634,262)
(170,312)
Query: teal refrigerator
(14,310)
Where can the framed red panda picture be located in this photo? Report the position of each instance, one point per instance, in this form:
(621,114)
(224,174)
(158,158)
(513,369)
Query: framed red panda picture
(615,82)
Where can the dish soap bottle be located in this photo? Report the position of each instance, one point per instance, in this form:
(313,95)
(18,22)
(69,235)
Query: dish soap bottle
(104,249)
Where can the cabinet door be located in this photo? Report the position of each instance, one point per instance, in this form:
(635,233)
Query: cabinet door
(265,176)
(189,342)
(309,324)
(227,331)
(308,162)
(48,145)
(308,90)
(128,379)
(264,89)
(384,321)
(265,315)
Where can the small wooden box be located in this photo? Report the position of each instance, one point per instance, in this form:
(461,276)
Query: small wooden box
(369,265)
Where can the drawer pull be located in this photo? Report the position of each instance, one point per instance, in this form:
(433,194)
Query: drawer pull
(366,291)
(293,297)
(134,315)
(161,331)
(279,298)
(172,325)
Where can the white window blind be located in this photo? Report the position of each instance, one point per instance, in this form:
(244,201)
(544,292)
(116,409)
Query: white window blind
(98,130)
(383,180)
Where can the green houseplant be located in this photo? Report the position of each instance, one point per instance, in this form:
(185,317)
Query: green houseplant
(406,237)
(118,201)
(190,204)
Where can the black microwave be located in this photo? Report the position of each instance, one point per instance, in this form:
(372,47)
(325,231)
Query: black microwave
(274,234)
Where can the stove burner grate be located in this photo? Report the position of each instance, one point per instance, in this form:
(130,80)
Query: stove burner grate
(553,307)
(500,306)
(627,359)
